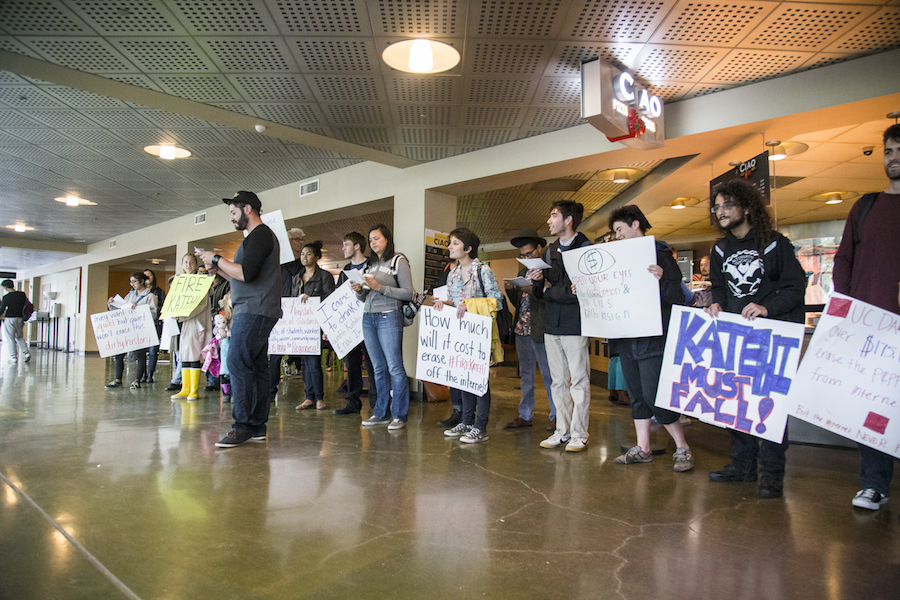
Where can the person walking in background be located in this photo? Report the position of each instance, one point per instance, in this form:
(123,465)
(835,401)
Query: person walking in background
(139,295)
(12,310)
(255,279)
(196,333)
(319,283)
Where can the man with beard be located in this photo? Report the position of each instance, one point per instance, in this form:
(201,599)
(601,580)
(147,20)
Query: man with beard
(256,300)
(866,267)
(754,273)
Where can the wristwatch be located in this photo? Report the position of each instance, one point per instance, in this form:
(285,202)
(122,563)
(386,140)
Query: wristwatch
(215,260)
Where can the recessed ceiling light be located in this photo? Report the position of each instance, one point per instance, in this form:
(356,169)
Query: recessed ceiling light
(420,56)
(167,151)
(72,200)
(20,228)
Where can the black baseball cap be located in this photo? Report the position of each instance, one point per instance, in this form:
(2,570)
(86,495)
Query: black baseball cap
(245,198)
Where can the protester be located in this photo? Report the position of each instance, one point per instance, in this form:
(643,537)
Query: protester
(567,349)
(642,357)
(255,279)
(217,291)
(153,352)
(866,268)
(388,285)
(754,273)
(319,283)
(196,333)
(529,332)
(455,417)
(139,295)
(290,288)
(471,280)
(12,308)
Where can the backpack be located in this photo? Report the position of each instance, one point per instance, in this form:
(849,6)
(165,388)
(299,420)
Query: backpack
(27,310)
(504,318)
(408,309)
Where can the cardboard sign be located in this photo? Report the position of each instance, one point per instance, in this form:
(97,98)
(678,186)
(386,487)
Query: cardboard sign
(340,317)
(617,295)
(185,294)
(297,331)
(454,352)
(124,330)
(729,371)
(849,380)
(275,221)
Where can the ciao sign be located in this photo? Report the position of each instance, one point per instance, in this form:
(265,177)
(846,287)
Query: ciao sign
(620,107)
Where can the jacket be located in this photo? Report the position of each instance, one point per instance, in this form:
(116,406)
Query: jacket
(562,315)
(321,284)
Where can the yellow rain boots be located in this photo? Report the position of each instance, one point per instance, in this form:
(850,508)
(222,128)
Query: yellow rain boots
(185,385)
(196,375)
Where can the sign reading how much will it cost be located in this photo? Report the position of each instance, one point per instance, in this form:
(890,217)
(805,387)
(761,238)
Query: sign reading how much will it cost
(454,352)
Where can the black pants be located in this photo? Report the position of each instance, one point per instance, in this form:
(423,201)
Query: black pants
(141,364)
(275,370)
(746,450)
(354,361)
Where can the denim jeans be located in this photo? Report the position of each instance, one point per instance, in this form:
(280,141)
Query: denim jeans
(383,334)
(476,409)
(248,367)
(529,352)
(354,361)
(313,380)
(176,368)
(456,399)
(153,354)
(875,469)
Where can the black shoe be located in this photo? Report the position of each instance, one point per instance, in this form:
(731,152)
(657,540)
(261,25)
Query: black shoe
(769,491)
(347,410)
(150,378)
(211,388)
(730,474)
(234,438)
(451,421)
(114,384)
(173,386)
(143,379)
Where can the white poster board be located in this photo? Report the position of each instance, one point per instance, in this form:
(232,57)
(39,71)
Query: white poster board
(124,330)
(729,371)
(617,295)
(340,317)
(297,331)
(849,380)
(275,222)
(454,352)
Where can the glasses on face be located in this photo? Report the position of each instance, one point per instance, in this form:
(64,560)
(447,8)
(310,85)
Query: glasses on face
(526,254)
(723,206)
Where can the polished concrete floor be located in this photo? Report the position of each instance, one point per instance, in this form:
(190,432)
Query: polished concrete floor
(120,493)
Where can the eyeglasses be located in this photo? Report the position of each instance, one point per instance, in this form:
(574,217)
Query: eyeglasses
(724,206)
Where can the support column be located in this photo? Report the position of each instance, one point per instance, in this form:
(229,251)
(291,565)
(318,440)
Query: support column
(94,294)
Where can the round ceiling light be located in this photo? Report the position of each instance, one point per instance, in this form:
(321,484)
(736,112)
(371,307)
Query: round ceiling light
(167,151)
(420,56)
(72,200)
(20,228)
(782,150)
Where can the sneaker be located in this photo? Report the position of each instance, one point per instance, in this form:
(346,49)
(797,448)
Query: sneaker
(135,385)
(633,456)
(684,460)
(870,499)
(452,421)
(554,441)
(474,436)
(459,430)
(397,424)
(576,445)
(113,384)
(373,420)
(259,437)
(729,473)
(173,386)
(517,423)
(234,438)
(27,358)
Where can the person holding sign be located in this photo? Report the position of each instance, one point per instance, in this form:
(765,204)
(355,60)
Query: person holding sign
(196,333)
(160,299)
(754,273)
(317,282)
(866,267)
(471,279)
(567,349)
(642,358)
(138,295)
(388,284)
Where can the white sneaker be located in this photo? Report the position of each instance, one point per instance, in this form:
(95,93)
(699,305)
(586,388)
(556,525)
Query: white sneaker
(397,424)
(458,431)
(870,499)
(576,445)
(27,358)
(474,436)
(373,420)
(554,441)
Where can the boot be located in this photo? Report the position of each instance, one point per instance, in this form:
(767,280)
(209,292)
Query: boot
(185,385)
(451,421)
(196,375)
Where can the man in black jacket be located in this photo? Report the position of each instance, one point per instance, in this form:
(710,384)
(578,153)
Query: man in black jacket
(12,309)
(567,349)
(754,273)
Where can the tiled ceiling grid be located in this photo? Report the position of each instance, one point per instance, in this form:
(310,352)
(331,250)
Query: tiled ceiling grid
(316,66)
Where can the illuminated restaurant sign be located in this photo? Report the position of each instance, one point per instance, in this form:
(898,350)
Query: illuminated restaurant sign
(620,107)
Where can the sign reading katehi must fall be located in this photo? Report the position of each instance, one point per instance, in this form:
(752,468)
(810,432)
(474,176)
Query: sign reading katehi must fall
(729,371)
(849,380)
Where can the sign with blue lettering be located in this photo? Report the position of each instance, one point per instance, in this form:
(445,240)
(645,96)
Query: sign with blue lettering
(340,317)
(124,330)
(454,352)
(729,371)
(849,380)
(297,331)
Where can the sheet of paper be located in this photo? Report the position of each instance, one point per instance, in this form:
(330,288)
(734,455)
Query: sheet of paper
(118,301)
(355,276)
(533,263)
(441,293)
(518,281)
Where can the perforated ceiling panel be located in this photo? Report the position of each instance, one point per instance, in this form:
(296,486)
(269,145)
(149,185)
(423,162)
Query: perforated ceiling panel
(312,17)
(333,55)
(618,20)
(411,17)
(806,26)
(431,89)
(507,58)
(711,24)
(127,17)
(527,18)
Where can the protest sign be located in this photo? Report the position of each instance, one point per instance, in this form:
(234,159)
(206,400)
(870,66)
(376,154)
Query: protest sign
(124,330)
(617,295)
(185,294)
(729,371)
(850,375)
(454,352)
(275,221)
(340,317)
(297,331)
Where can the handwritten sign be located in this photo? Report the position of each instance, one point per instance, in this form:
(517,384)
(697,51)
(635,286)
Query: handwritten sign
(340,317)
(849,380)
(729,371)
(124,330)
(185,294)
(297,331)
(275,221)
(617,296)
(454,352)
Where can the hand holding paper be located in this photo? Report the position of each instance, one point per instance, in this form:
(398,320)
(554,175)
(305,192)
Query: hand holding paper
(533,263)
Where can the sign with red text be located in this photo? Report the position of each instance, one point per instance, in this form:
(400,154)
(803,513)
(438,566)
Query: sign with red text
(454,352)
(617,295)
(849,380)
(340,316)
(297,331)
(729,371)
(124,330)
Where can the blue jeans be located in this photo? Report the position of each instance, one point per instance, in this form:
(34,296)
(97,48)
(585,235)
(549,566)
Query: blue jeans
(248,367)
(153,353)
(529,352)
(383,334)
(456,399)
(476,409)
(313,380)
(875,469)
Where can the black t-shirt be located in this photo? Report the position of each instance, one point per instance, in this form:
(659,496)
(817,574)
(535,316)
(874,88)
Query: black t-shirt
(14,304)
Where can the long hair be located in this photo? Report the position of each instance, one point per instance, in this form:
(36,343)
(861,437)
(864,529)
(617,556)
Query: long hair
(747,197)
(388,249)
